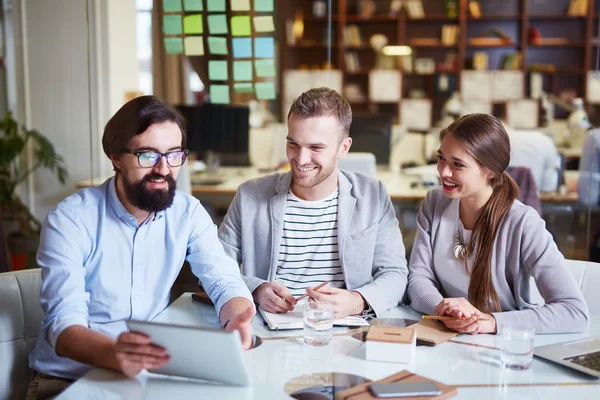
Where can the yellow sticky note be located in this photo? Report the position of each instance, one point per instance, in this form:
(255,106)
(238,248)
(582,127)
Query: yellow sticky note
(192,24)
(240,5)
(217,70)
(173,45)
(219,94)
(265,90)
(265,68)
(240,25)
(243,87)
(264,24)
(194,46)
(217,24)
(242,70)
(217,45)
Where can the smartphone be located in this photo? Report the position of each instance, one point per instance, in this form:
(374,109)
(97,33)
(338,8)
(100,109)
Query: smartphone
(404,389)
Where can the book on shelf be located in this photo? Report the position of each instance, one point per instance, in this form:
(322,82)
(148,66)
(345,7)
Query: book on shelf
(480,60)
(366,8)
(578,8)
(415,9)
(450,35)
(352,36)
(475,9)
(352,61)
(512,61)
(451,8)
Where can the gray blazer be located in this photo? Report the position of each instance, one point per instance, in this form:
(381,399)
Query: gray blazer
(369,239)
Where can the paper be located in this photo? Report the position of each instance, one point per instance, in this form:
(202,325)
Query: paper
(217,45)
(593,87)
(263,5)
(192,5)
(193,25)
(240,5)
(243,87)
(265,68)
(264,24)
(219,94)
(194,46)
(536,85)
(415,114)
(476,85)
(385,86)
(174,45)
(264,47)
(522,114)
(476,107)
(265,90)
(242,47)
(240,25)
(171,5)
(217,24)
(242,70)
(507,85)
(294,319)
(297,82)
(172,24)
(217,70)
(215,5)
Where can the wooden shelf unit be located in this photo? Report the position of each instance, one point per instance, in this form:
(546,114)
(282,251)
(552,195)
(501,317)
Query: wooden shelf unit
(515,19)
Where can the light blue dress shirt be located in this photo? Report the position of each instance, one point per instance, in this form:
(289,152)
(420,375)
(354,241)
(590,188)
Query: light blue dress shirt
(100,268)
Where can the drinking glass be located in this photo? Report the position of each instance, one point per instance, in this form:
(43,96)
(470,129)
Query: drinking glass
(318,323)
(517,344)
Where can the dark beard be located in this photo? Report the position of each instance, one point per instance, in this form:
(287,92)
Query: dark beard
(150,200)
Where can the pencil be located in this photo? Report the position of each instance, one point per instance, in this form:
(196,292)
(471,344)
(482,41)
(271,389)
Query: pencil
(448,318)
(315,288)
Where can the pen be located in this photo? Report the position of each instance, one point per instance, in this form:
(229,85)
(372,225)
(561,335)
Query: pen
(448,318)
(315,288)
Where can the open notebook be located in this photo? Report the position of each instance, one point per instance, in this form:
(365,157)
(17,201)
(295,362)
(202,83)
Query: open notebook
(293,319)
(432,333)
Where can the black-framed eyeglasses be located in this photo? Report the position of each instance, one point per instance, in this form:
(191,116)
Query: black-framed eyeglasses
(149,159)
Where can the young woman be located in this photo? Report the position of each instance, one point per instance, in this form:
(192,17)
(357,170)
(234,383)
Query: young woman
(477,248)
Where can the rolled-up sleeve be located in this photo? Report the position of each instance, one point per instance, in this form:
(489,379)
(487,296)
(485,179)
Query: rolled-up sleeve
(219,274)
(63,295)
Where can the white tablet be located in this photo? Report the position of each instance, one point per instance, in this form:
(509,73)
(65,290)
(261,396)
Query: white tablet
(198,352)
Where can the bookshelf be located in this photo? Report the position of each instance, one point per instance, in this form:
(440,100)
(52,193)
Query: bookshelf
(567,43)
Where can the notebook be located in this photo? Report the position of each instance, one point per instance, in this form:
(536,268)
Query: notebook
(432,333)
(293,320)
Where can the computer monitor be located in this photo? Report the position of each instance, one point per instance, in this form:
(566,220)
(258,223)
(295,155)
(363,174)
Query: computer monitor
(372,134)
(219,128)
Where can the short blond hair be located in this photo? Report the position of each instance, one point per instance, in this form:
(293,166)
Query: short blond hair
(324,102)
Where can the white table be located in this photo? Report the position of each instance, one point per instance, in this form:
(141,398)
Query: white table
(469,362)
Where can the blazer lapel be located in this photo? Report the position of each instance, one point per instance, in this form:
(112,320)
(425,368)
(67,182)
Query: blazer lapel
(277,208)
(346,203)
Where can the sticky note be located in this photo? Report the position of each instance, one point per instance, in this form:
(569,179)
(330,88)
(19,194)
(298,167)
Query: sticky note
(265,90)
(264,47)
(264,24)
(215,5)
(242,47)
(217,45)
(240,25)
(242,70)
(217,24)
(172,24)
(194,46)
(192,5)
(217,70)
(192,24)
(265,68)
(243,87)
(219,94)
(174,45)
(263,5)
(240,5)
(171,5)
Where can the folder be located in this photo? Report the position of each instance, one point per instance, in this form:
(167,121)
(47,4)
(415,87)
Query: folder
(294,320)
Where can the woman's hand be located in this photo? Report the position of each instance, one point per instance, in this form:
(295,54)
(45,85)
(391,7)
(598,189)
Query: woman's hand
(471,320)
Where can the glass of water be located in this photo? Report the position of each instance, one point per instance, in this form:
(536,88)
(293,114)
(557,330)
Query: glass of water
(318,323)
(517,344)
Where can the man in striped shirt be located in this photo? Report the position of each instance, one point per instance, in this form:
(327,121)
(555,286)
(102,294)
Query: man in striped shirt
(314,224)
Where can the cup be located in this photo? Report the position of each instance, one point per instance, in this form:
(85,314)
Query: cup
(517,344)
(318,323)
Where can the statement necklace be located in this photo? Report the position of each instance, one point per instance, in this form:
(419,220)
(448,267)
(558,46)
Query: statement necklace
(460,249)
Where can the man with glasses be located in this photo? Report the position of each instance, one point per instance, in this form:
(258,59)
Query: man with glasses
(111,253)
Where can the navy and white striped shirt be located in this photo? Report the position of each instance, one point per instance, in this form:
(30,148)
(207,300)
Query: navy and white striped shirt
(309,247)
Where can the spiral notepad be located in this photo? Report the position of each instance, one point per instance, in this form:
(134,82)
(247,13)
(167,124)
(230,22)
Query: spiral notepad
(432,333)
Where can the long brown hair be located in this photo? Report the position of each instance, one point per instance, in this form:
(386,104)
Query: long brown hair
(486,140)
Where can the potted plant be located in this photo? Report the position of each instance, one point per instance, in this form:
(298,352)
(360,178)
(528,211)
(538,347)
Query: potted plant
(21,228)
